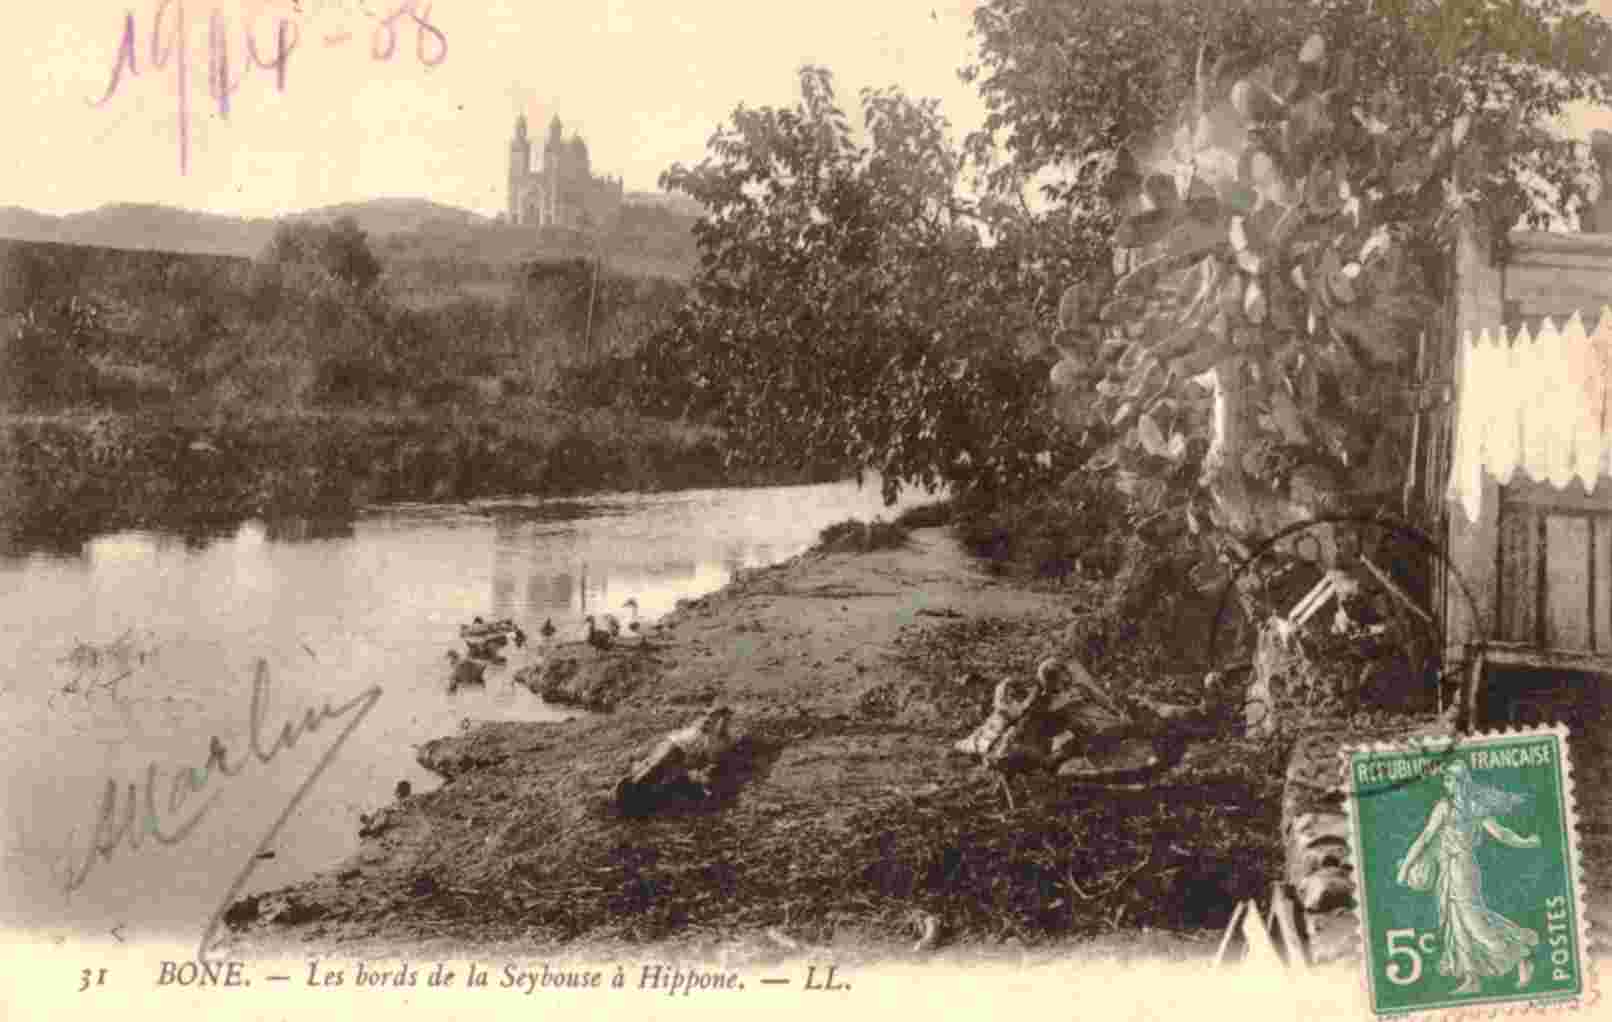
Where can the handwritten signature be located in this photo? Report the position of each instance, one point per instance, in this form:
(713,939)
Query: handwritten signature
(124,821)
(169,45)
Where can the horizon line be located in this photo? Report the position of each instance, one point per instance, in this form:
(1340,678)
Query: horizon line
(489,217)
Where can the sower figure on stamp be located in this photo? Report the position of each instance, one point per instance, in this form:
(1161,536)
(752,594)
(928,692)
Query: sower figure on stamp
(1477,941)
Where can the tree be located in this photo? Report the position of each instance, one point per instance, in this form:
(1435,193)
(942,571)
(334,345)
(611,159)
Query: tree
(1292,176)
(340,250)
(848,308)
(346,255)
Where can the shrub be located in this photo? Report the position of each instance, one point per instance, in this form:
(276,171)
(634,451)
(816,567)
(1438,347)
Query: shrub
(44,357)
(852,536)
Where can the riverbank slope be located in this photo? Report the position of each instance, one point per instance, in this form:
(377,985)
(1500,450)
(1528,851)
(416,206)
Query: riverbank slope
(843,819)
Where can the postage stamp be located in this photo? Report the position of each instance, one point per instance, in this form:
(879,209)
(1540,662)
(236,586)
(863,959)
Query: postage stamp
(1468,871)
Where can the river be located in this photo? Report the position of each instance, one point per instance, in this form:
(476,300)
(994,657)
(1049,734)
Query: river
(139,649)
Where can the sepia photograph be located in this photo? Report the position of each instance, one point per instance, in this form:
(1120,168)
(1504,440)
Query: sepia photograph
(1089,507)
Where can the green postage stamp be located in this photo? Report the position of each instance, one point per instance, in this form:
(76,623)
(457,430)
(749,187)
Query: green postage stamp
(1467,871)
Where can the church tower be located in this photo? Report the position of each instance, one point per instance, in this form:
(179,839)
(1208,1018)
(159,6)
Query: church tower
(520,165)
(562,192)
(555,172)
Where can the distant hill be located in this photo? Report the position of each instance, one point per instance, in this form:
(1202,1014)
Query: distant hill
(128,225)
(676,202)
(26,225)
(653,225)
(382,217)
(141,226)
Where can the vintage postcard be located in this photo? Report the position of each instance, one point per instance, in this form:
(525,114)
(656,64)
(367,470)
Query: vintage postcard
(630,507)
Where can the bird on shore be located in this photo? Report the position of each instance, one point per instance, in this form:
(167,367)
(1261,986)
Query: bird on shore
(510,630)
(598,638)
(548,629)
(487,649)
(485,638)
(633,624)
(530,678)
(465,671)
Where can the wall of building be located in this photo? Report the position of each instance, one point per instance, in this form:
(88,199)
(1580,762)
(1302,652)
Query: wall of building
(1548,275)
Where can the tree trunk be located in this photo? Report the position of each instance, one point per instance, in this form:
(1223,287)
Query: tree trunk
(1241,506)
(1246,507)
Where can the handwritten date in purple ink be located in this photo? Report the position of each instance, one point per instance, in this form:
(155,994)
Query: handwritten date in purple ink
(232,52)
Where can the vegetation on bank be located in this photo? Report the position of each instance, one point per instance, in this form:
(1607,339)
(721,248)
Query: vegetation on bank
(1285,179)
(1201,332)
(852,305)
(853,536)
(313,324)
(157,389)
(65,477)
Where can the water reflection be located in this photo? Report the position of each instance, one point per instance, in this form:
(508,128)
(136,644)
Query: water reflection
(332,609)
(304,529)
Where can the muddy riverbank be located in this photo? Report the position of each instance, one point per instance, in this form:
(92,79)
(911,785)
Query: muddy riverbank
(841,820)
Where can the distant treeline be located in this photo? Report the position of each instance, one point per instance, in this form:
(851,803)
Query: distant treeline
(64,478)
(642,241)
(318,322)
(144,388)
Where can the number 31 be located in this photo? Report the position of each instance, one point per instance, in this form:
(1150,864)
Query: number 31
(1397,974)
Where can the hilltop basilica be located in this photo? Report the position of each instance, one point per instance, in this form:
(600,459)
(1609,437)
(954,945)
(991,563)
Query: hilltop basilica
(564,192)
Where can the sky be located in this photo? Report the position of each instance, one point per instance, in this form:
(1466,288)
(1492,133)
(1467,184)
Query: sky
(645,81)
(419,97)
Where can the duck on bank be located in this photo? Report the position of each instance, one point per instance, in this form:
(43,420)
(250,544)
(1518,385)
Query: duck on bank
(485,639)
(598,638)
(465,672)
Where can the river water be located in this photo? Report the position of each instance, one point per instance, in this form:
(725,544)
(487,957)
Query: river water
(119,665)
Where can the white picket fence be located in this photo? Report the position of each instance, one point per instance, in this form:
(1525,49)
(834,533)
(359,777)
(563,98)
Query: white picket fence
(1535,404)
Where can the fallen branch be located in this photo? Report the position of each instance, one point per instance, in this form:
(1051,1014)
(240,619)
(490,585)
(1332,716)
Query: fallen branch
(1070,878)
